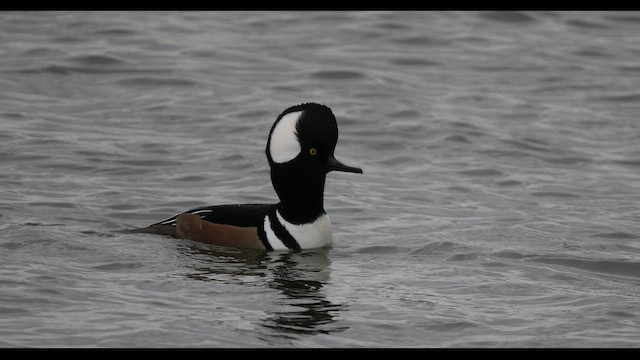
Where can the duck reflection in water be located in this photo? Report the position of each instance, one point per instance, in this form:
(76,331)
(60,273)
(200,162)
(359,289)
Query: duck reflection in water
(299,276)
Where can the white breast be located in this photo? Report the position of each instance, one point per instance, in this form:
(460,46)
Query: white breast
(309,236)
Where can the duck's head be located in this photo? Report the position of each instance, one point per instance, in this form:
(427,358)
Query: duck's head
(300,151)
(305,136)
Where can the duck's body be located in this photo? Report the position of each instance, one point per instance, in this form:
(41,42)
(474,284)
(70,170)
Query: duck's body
(254,226)
(300,152)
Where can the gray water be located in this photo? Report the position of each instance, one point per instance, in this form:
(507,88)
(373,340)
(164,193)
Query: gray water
(499,205)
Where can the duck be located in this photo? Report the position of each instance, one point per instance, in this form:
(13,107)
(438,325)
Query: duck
(300,151)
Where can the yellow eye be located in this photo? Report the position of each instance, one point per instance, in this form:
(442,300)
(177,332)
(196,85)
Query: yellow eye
(313,152)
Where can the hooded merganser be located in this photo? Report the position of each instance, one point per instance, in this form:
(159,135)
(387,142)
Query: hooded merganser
(300,153)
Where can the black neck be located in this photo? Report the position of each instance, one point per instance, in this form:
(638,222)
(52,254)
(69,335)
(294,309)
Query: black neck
(301,194)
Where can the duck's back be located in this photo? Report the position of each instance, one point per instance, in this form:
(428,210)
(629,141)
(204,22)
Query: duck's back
(243,215)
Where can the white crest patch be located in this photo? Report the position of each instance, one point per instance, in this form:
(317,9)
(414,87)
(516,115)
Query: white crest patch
(284,145)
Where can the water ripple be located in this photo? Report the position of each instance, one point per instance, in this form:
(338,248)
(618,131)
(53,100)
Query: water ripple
(117,266)
(587,24)
(508,16)
(407,61)
(622,98)
(155,81)
(482,172)
(555,194)
(96,60)
(612,267)
(338,75)
(616,235)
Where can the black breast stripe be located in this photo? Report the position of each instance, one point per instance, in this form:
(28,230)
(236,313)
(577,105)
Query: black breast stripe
(287,239)
(263,237)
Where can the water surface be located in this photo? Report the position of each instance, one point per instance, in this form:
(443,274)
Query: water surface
(499,205)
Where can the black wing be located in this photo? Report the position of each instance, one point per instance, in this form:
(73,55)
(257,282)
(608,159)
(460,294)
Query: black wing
(237,215)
